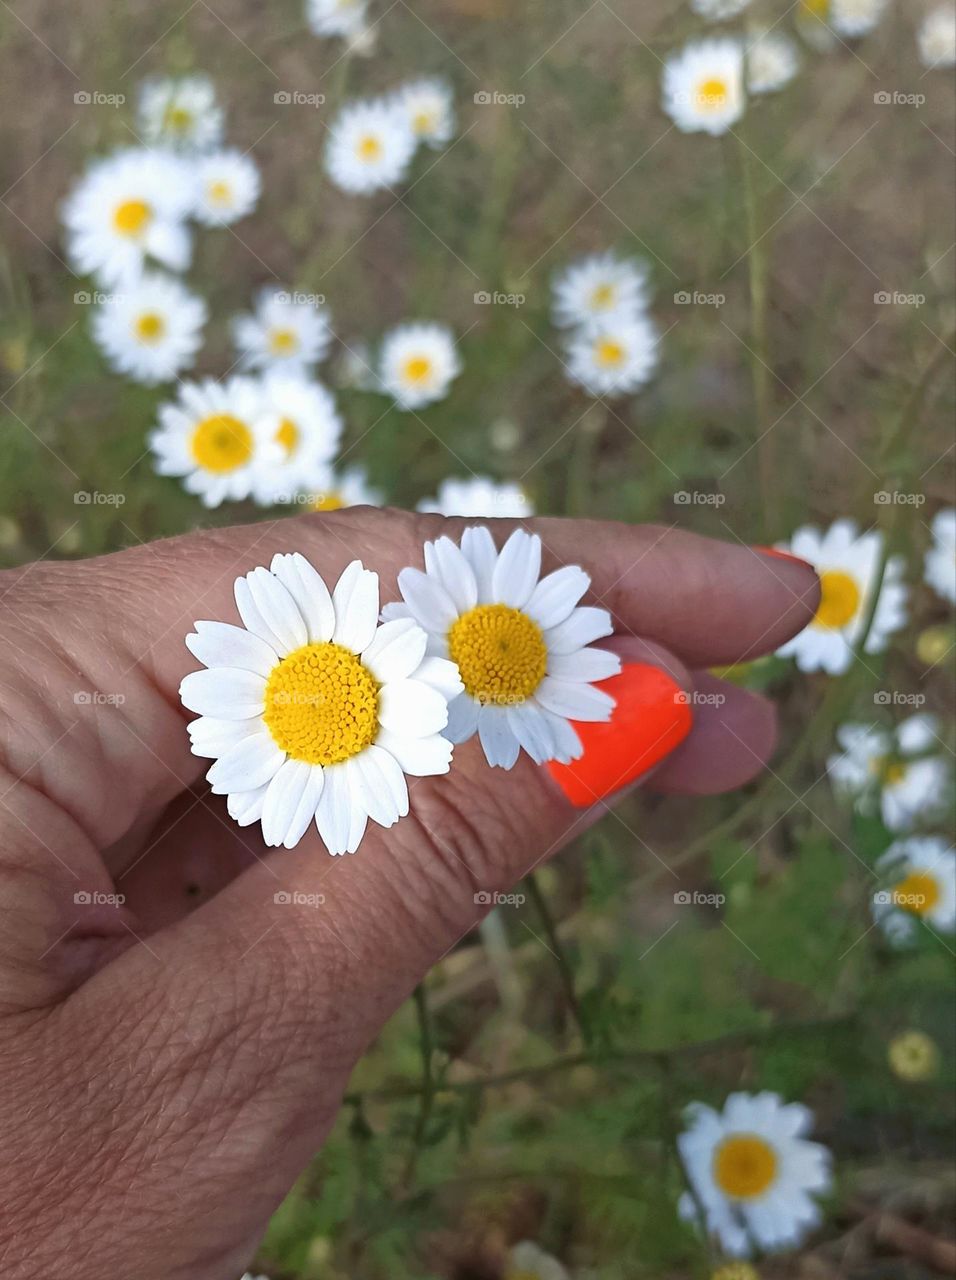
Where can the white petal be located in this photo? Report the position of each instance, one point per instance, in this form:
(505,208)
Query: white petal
(418,757)
(358,819)
(574,701)
(308,590)
(441,675)
(497,738)
(556,595)
(412,708)
(430,604)
(533,730)
(446,563)
(245,807)
(282,800)
(376,778)
(462,718)
(478,547)
(397,648)
(219,644)
(333,810)
(395,609)
(247,765)
(212,737)
(585,625)
(308,803)
(224,692)
(277,608)
(356,603)
(517,570)
(586,666)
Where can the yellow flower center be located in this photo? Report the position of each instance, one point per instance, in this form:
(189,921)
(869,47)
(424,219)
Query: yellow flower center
(736,1271)
(150,326)
(417,368)
(282,342)
(369,148)
(712,93)
(500,653)
(744,1166)
(918,893)
(913,1056)
(423,121)
(178,119)
(132,217)
(608,353)
(219,192)
(816,8)
(889,771)
(329,502)
(287,436)
(221,443)
(602,296)
(840,599)
(321,704)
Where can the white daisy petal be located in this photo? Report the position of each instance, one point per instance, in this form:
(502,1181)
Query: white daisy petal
(253,620)
(497,737)
(300,821)
(584,625)
(277,607)
(219,644)
(447,563)
(358,817)
(211,737)
(430,604)
(396,651)
(556,595)
(478,547)
(283,796)
(418,757)
(356,602)
(441,675)
(531,727)
(247,765)
(412,708)
(574,701)
(307,588)
(333,813)
(224,692)
(587,666)
(519,566)
(376,778)
(245,807)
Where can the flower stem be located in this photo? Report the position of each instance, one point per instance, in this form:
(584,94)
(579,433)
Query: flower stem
(758,265)
(556,948)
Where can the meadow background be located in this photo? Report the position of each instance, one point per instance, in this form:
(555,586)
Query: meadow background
(534,1089)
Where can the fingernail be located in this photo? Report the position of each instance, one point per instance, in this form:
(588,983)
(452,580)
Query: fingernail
(652,716)
(785,555)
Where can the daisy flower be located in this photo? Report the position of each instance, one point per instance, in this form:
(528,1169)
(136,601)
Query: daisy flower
(703,86)
(301,418)
(847,564)
(614,357)
(599,287)
(350,488)
(526,1261)
(282,332)
(126,208)
(920,874)
(521,645)
(936,37)
(418,363)
(811,21)
(227,187)
(429,110)
(754,1172)
(345,18)
(370,147)
(479,497)
(880,768)
(216,437)
(940,563)
(180,113)
(313,711)
(718,10)
(152,330)
(913,1056)
(853,18)
(772,61)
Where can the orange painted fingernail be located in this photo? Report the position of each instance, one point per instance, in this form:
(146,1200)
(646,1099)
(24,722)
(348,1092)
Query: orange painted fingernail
(652,716)
(784,555)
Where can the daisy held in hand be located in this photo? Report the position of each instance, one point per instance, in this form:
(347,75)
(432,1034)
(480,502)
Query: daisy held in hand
(312,710)
(521,643)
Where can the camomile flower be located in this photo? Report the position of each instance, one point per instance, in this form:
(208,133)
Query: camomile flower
(703,86)
(599,287)
(847,563)
(125,209)
(919,873)
(370,147)
(811,21)
(522,645)
(429,109)
(479,497)
(936,37)
(890,770)
(754,1173)
(418,363)
(349,488)
(180,113)
(313,711)
(227,187)
(940,563)
(286,330)
(526,1261)
(152,330)
(613,357)
(300,417)
(215,436)
(913,1056)
(718,10)
(772,61)
(345,18)
(854,18)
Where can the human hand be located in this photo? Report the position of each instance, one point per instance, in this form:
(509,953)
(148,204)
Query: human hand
(172,1062)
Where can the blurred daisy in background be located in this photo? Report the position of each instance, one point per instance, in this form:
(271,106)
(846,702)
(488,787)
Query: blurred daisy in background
(521,643)
(940,563)
(811,22)
(890,770)
(754,1173)
(214,437)
(227,187)
(613,357)
(735,1271)
(855,18)
(312,711)
(703,86)
(920,875)
(180,112)
(301,418)
(346,18)
(772,60)
(913,1056)
(936,37)
(526,1261)
(348,488)
(429,109)
(152,330)
(847,563)
(718,10)
(286,330)
(479,496)
(418,363)
(599,287)
(126,208)
(370,147)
